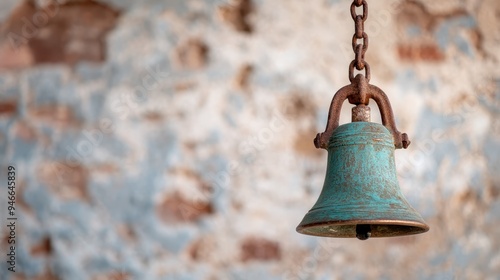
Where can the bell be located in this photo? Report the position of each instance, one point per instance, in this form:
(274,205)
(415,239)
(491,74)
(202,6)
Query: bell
(361,195)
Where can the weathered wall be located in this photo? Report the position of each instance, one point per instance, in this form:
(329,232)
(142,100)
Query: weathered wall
(173,139)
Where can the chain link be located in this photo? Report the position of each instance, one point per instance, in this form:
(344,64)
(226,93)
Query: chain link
(359,49)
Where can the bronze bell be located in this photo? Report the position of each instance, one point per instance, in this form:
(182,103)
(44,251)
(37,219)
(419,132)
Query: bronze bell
(361,195)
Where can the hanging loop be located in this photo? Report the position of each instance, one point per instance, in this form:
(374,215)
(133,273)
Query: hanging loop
(364,36)
(360,62)
(366,67)
(357,3)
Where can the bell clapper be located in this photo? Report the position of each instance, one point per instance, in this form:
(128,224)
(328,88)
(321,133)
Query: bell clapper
(363,232)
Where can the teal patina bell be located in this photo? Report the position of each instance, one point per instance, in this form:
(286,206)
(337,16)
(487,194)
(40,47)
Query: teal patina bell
(361,195)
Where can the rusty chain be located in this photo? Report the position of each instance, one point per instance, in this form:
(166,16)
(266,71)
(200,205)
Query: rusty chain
(359,92)
(359,33)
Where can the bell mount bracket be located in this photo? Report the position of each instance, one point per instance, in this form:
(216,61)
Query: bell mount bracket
(359,92)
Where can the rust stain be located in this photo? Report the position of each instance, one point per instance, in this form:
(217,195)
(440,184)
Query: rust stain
(423,52)
(175,208)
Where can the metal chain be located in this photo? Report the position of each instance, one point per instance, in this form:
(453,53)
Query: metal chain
(359,33)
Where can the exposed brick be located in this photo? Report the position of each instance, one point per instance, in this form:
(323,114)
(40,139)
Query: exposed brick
(422,47)
(8,108)
(190,145)
(68,181)
(56,115)
(183,86)
(105,168)
(492,192)
(14,50)
(196,250)
(14,58)
(14,23)
(416,13)
(153,116)
(20,188)
(260,249)
(43,248)
(184,171)
(201,249)
(117,275)
(175,208)
(424,52)
(126,232)
(477,39)
(192,54)
(466,196)
(25,131)
(46,275)
(236,15)
(4,244)
(190,174)
(57,33)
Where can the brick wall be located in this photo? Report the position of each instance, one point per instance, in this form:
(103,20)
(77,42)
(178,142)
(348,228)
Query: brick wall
(173,139)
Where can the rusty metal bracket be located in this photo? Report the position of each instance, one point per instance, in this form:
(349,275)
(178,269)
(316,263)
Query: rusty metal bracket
(360,92)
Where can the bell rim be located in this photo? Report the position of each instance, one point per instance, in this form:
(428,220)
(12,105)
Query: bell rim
(421,225)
